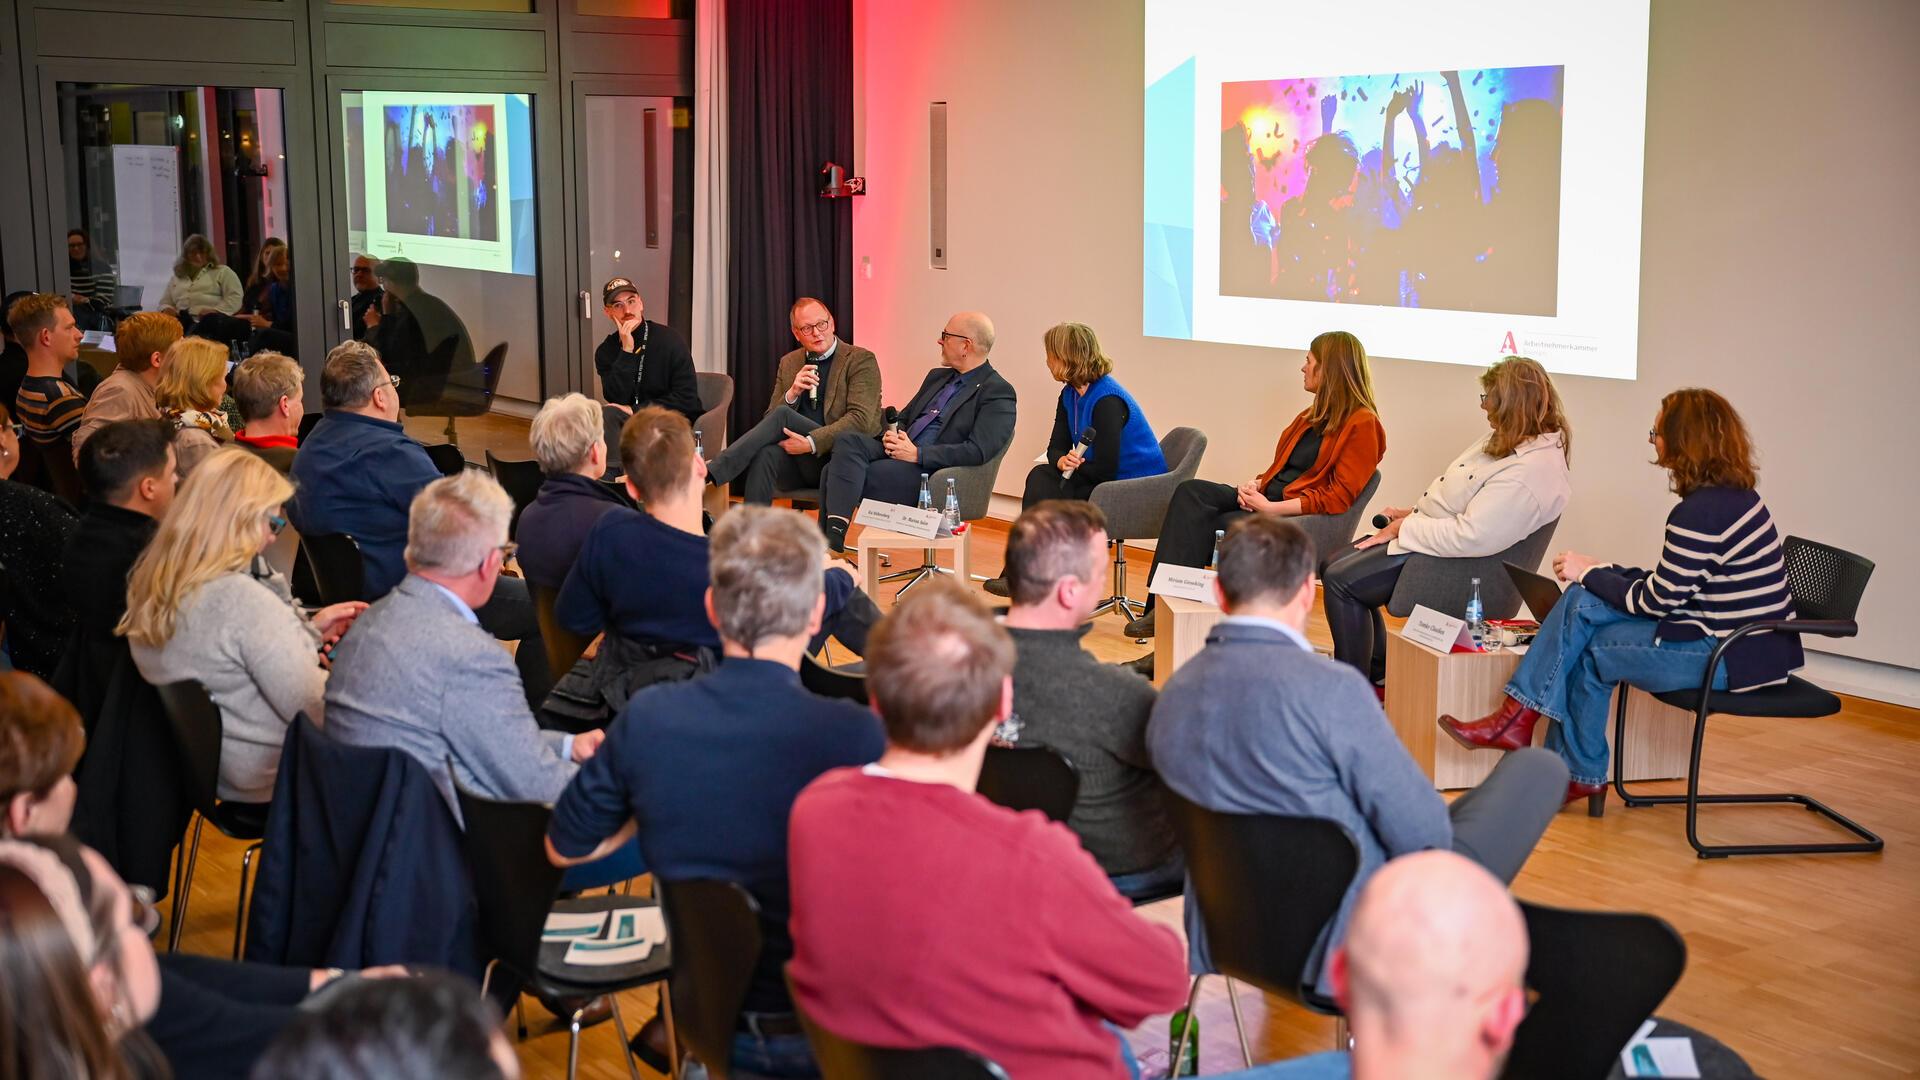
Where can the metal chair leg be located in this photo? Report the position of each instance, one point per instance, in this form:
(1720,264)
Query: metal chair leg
(186,887)
(520,1010)
(620,1029)
(1120,601)
(1233,998)
(673,1033)
(240,908)
(1180,1044)
(573,1044)
(1342,1034)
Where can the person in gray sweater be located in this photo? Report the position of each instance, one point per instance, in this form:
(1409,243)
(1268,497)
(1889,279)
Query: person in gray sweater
(1094,714)
(203,605)
(1256,723)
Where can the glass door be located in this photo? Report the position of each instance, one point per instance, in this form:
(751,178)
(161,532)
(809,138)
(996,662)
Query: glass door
(633,175)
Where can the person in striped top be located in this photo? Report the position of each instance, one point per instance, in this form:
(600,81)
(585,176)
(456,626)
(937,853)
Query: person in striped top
(1720,569)
(94,288)
(47,404)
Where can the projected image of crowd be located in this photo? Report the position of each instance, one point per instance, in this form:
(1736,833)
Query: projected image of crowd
(1423,190)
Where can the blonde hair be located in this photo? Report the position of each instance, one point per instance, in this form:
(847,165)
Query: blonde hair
(1074,356)
(212,529)
(262,380)
(196,242)
(188,375)
(1522,403)
(1346,383)
(564,432)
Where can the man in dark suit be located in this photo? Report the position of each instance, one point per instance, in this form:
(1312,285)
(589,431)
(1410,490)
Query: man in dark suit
(419,336)
(822,390)
(963,415)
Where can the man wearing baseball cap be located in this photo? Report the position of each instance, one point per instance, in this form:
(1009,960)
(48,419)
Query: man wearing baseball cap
(642,362)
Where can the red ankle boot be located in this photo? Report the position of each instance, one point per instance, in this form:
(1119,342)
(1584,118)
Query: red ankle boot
(1510,727)
(1595,794)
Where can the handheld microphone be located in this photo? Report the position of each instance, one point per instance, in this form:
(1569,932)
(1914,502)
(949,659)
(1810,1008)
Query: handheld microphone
(1086,443)
(890,418)
(813,392)
(1381,521)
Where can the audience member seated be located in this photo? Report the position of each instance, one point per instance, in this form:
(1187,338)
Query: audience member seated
(203,604)
(820,390)
(358,473)
(641,362)
(367,293)
(419,674)
(1257,723)
(34,527)
(193,380)
(431,1024)
(269,389)
(422,338)
(1500,489)
(13,358)
(642,575)
(567,440)
(131,475)
(141,342)
(924,915)
(706,771)
(1721,568)
(236,328)
(200,285)
(962,415)
(94,288)
(1430,976)
(47,405)
(215,1016)
(1093,713)
(272,322)
(1320,465)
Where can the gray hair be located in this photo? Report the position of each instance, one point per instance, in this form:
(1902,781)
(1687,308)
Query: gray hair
(564,432)
(766,567)
(455,521)
(262,380)
(350,375)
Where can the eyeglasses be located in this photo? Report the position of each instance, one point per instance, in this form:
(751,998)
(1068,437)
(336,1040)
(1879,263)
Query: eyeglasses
(508,550)
(1652,434)
(1483,399)
(276,523)
(815,327)
(362,270)
(944,335)
(394,380)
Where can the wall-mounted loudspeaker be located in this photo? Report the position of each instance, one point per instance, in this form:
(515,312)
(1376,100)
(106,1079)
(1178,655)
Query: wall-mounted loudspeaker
(937,184)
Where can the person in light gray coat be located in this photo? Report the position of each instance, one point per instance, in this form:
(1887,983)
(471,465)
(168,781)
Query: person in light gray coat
(419,674)
(1256,723)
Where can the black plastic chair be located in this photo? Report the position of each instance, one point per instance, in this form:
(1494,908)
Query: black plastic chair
(196,725)
(447,458)
(1827,584)
(830,682)
(1599,975)
(338,573)
(844,1059)
(466,393)
(1030,778)
(517,886)
(1267,886)
(564,647)
(307,422)
(522,480)
(715,929)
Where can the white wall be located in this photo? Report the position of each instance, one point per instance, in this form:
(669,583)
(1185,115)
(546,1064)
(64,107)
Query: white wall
(1781,254)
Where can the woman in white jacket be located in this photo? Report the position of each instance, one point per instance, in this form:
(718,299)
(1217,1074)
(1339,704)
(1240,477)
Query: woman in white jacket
(1499,490)
(200,284)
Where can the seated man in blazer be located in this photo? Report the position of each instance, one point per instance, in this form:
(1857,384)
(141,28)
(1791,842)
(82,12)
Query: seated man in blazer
(822,390)
(963,415)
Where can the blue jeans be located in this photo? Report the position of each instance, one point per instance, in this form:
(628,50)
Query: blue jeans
(786,1057)
(1153,879)
(623,863)
(1584,649)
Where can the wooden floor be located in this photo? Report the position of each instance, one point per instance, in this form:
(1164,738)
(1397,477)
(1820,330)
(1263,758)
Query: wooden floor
(1809,966)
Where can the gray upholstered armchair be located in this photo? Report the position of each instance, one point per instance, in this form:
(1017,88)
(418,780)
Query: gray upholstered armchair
(1137,508)
(1331,533)
(716,393)
(1445,585)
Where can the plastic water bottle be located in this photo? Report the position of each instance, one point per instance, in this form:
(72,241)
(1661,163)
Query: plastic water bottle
(698,450)
(1477,618)
(1218,535)
(1189,1064)
(1007,732)
(926,494)
(950,512)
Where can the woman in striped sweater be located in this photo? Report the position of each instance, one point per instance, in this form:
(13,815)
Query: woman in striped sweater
(1720,569)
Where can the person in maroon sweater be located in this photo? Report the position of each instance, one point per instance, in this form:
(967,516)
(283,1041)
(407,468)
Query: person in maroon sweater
(924,915)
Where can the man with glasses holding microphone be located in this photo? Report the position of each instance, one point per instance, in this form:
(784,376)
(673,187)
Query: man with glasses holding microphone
(823,391)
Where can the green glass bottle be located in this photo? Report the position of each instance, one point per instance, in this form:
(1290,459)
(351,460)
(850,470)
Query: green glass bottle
(1189,1065)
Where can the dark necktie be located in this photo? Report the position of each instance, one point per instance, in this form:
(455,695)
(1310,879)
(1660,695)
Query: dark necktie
(939,402)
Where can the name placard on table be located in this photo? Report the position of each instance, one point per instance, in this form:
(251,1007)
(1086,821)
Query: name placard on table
(1441,633)
(893,517)
(1186,582)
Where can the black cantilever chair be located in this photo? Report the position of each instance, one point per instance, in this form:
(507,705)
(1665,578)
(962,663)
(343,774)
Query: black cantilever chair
(1030,778)
(1827,584)
(1598,975)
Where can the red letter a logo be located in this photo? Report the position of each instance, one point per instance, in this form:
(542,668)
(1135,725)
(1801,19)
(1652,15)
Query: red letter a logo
(1507,347)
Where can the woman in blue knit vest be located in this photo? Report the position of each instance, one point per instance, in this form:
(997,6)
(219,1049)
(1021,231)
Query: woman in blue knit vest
(1720,569)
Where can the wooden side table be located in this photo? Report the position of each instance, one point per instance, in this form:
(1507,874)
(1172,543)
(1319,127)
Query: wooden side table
(1180,629)
(871,541)
(1423,684)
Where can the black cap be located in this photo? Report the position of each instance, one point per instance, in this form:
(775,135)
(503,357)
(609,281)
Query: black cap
(613,289)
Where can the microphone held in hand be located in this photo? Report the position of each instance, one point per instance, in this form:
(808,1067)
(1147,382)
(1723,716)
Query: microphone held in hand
(1086,443)
(813,392)
(1381,521)
(890,419)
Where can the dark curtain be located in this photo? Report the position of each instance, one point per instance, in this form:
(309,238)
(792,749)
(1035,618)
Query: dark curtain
(790,111)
